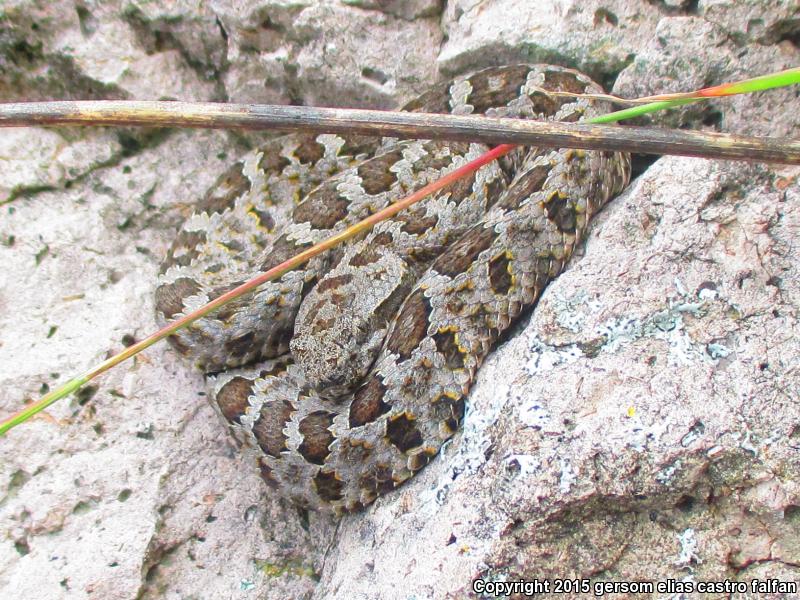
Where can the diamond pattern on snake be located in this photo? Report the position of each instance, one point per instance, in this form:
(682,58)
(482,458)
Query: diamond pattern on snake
(344,377)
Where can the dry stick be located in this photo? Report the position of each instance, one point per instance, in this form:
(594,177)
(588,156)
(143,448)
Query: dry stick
(473,128)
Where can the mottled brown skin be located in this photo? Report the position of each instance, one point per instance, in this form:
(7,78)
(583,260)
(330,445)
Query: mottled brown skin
(386,334)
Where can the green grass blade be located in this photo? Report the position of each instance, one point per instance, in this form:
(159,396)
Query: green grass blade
(756,84)
(26,413)
(637,111)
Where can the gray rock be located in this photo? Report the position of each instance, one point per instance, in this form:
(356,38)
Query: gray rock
(315,53)
(642,426)
(696,52)
(600,38)
(406,9)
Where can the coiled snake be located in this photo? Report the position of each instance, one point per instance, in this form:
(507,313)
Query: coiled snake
(345,376)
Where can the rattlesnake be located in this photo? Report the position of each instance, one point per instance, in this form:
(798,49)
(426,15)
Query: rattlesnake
(367,352)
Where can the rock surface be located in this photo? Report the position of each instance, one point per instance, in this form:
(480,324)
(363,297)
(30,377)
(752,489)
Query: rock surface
(644,425)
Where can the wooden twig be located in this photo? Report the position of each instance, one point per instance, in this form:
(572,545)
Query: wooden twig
(647,140)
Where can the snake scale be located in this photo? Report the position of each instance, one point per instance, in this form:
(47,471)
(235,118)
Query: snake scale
(345,376)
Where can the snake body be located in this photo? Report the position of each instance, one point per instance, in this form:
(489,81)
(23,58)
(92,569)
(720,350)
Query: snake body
(345,376)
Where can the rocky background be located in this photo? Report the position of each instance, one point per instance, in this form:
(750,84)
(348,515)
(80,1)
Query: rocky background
(644,425)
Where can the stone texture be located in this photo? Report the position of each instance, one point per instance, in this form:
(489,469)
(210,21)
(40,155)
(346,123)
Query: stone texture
(598,37)
(317,53)
(406,9)
(697,51)
(644,424)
